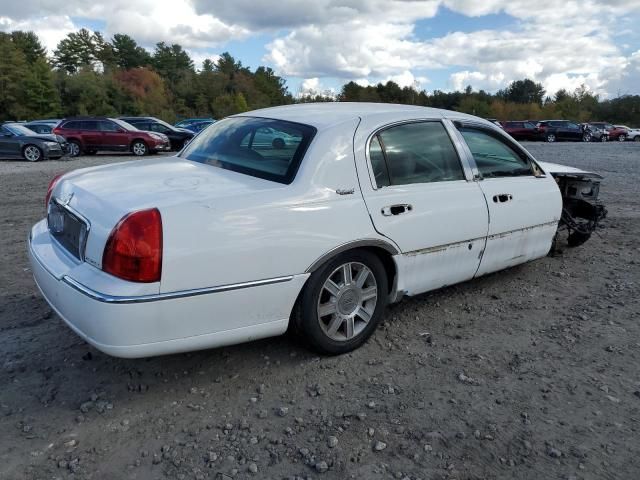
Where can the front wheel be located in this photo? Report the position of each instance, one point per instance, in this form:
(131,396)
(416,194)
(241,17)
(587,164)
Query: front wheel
(74,148)
(604,138)
(586,137)
(622,138)
(139,148)
(342,303)
(32,153)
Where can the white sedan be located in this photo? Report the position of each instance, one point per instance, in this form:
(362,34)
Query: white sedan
(234,239)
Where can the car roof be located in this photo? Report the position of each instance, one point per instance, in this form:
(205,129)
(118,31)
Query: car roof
(327,114)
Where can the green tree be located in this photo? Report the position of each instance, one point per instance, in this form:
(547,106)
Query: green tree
(13,71)
(127,53)
(523,91)
(41,97)
(78,50)
(29,44)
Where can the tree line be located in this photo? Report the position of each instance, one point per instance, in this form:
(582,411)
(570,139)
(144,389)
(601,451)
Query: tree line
(90,75)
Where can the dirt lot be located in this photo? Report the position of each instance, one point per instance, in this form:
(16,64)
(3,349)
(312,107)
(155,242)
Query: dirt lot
(531,373)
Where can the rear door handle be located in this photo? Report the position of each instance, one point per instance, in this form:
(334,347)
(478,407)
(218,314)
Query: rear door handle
(396,209)
(502,198)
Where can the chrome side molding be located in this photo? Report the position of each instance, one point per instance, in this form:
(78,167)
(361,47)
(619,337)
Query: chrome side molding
(102,297)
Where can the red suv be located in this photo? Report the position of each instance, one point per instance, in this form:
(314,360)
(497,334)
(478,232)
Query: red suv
(90,134)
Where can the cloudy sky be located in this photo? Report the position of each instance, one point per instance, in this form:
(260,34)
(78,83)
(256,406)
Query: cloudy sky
(321,44)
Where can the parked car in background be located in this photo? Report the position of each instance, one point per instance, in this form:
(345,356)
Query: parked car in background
(521,130)
(40,126)
(632,133)
(190,121)
(177,136)
(197,127)
(17,141)
(91,134)
(615,133)
(561,130)
(235,239)
(593,133)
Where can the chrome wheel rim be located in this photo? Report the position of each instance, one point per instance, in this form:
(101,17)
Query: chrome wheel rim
(74,149)
(139,148)
(32,153)
(347,301)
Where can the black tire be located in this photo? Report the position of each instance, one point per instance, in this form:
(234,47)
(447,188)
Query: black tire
(32,153)
(139,148)
(305,323)
(75,149)
(604,138)
(622,138)
(636,138)
(551,137)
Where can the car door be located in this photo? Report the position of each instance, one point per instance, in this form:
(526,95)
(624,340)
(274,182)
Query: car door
(574,132)
(113,137)
(7,143)
(524,203)
(421,196)
(91,135)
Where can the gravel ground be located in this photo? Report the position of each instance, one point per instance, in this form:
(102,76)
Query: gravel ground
(530,373)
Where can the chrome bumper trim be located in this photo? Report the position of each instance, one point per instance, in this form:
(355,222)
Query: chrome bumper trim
(102,297)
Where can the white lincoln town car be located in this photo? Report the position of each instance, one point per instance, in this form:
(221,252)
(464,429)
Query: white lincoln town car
(308,217)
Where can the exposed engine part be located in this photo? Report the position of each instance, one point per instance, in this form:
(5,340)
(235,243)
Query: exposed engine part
(581,209)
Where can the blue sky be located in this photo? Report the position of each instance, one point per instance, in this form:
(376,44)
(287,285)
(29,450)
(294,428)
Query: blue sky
(434,44)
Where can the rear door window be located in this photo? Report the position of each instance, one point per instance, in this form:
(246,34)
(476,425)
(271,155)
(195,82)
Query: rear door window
(89,125)
(493,156)
(419,152)
(107,126)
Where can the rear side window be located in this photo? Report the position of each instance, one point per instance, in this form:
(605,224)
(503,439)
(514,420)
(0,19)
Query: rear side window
(107,126)
(89,125)
(260,147)
(493,156)
(73,125)
(420,152)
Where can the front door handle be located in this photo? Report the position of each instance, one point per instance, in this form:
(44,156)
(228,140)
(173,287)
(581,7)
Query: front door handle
(396,209)
(502,198)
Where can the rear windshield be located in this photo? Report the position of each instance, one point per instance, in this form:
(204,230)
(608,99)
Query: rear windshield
(260,147)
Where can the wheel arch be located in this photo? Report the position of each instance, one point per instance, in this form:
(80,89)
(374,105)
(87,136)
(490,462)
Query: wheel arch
(383,250)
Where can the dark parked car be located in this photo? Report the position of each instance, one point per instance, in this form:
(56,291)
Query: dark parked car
(177,136)
(561,130)
(40,126)
(90,134)
(197,127)
(186,122)
(17,141)
(521,130)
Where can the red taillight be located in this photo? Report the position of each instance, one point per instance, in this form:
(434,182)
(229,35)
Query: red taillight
(52,185)
(134,248)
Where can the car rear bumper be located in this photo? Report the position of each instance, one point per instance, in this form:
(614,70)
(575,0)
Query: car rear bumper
(136,325)
(161,147)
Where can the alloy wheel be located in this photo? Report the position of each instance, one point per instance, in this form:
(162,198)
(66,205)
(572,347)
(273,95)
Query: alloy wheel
(622,138)
(139,149)
(74,149)
(32,153)
(551,138)
(347,301)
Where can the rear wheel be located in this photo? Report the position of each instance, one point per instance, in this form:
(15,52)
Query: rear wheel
(550,137)
(586,137)
(139,148)
(622,138)
(32,153)
(636,138)
(74,148)
(342,303)
(604,138)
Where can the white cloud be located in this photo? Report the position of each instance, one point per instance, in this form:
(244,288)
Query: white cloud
(376,40)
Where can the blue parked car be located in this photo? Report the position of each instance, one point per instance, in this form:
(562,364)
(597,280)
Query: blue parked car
(197,127)
(188,121)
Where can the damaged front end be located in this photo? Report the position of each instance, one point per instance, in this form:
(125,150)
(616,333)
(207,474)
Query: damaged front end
(581,209)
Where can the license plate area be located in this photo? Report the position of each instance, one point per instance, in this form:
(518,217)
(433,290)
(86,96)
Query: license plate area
(68,229)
